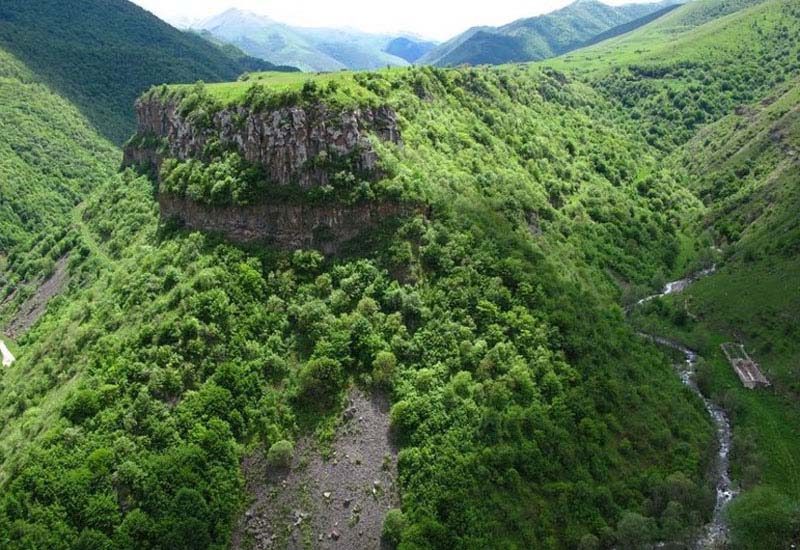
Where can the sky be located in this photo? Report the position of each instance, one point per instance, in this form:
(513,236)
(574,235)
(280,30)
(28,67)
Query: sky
(436,19)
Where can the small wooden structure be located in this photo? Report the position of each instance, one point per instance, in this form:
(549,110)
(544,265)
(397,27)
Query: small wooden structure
(747,369)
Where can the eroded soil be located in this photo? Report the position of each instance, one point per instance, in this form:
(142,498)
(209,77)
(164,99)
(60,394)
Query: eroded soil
(338,503)
(34,307)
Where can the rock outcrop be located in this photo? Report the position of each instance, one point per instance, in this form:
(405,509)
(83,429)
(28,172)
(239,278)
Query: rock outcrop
(288,226)
(296,146)
(292,143)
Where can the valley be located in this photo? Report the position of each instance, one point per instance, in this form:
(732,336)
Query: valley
(716,533)
(411,307)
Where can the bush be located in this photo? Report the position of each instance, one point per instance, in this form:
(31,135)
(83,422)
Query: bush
(383,368)
(635,531)
(393,526)
(280,454)
(82,405)
(589,542)
(320,381)
(764,518)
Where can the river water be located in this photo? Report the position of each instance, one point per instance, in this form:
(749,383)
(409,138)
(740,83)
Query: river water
(6,355)
(715,534)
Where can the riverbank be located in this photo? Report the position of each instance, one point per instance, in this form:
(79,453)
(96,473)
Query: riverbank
(716,533)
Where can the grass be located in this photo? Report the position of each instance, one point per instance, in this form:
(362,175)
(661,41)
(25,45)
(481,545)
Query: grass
(681,35)
(347,88)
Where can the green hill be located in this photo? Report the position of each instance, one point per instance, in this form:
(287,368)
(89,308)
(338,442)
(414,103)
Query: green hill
(746,168)
(409,49)
(733,64)
(512,363)
(101,54)
(539,37)
(688,69)
(527,411)
(50,157)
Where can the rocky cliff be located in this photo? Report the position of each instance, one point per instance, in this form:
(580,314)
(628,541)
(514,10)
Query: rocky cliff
(289,226)
(288,142)
(295,146)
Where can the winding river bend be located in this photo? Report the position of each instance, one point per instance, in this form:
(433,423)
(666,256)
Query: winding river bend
(714,534)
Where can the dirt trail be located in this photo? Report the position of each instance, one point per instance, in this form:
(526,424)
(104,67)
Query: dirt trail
(8,357)
(338,503)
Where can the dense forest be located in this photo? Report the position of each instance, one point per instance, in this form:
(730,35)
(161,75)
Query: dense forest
(527,410)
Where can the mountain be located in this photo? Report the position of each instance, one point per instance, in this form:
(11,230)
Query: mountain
(391,308)
(539,37)
(409,49)
(309,49)
(101,54)
(720,99)
(50,156)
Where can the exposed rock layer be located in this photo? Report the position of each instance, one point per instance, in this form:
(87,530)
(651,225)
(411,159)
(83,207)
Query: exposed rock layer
(288,226)
(290,143)
(296,146)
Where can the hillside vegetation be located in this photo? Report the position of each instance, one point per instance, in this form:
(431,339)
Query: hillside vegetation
(50,155)
(735,62)
(528,412)
(539,37)
(498,338)
(746,167)
(690,68)
(101,54)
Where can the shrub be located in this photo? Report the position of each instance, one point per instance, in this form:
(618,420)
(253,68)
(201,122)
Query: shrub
(383,368)
(764,518)
(589,542)
(393,526)
(320,381)
(280,454)
(82,405)
(635,531)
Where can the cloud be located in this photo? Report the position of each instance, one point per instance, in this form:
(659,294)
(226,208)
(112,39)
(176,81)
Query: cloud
(439,19)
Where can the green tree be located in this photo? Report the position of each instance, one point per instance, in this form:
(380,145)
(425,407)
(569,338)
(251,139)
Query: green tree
(280,454)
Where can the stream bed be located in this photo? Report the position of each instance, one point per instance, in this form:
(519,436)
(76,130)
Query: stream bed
(714,534)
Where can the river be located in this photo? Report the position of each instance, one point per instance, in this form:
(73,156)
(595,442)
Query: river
(8,357)
(715,534)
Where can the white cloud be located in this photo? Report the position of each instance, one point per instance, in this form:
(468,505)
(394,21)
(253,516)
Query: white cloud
(439,19)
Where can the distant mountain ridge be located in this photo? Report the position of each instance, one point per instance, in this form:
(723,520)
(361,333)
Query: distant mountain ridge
(311,49)
(408,49)
(540,37)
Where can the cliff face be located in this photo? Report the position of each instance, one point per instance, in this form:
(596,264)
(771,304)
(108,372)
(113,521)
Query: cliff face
(288,226)
(285,142)
(292,144)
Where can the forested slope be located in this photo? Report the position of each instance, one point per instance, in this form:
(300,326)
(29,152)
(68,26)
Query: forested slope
(51,157)
(528,412)
(733,64)
(689,68)
(101,54)
(498,335)
(746,168)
